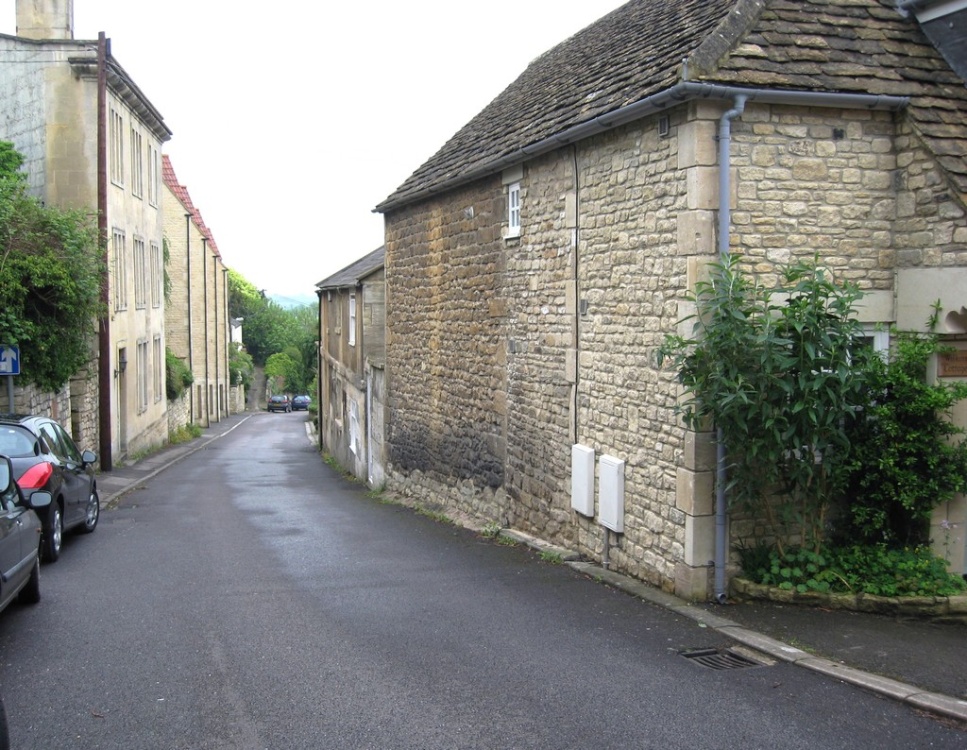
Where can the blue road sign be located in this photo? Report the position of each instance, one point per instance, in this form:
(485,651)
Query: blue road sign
(9,360)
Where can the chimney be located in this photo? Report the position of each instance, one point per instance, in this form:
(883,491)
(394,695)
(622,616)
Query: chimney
(45,19)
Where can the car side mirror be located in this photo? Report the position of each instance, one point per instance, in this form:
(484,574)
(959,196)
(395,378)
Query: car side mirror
(40,499)
(88,457)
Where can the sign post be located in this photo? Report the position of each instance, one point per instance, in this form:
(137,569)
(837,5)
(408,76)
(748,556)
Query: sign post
(9,367)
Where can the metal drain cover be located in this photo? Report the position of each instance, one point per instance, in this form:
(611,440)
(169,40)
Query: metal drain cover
(716,658)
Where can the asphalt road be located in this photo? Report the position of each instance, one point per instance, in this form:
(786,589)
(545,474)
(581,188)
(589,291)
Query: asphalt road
(250,597)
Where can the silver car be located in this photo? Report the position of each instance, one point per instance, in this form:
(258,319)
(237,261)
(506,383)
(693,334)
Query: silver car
(19,539)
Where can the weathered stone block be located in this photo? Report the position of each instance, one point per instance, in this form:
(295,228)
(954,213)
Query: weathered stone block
(695,492)
(699,540)
(697,144)
(699,451)
(693,584)
(696,232)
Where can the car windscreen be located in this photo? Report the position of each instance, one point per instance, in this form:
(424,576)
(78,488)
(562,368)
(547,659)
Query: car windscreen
(16,442)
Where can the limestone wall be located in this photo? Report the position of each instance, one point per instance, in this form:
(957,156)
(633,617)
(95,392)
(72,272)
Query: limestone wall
(503,353)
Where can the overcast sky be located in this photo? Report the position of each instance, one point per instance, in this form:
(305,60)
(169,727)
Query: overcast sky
(292,120)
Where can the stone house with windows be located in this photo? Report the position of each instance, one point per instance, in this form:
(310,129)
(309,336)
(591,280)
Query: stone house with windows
(536,262)
(352,383)
(197,321)
(92,140)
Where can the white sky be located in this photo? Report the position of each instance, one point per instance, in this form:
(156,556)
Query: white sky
(292,119)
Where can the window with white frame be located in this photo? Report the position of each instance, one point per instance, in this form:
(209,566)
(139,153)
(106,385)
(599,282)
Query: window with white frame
(154,172)
(876,336)
(137,163)
(158,360)
(143,376)
(513,209)
(120,270)
(116,138)
(157,275)
(352,320)
(140,275)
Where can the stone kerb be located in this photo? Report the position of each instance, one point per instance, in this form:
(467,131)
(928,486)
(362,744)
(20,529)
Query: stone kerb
(935,607)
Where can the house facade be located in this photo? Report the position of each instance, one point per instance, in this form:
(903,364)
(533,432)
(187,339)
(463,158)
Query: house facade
(352,381)
(92,141)
(199,327)
(535,264)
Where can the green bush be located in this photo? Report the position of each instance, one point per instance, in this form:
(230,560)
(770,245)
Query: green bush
(179,377)
(906,456)
(869,569)
(779,377)
(50,280)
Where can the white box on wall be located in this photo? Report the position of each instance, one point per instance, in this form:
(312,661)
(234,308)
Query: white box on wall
(611,500)
(582,480)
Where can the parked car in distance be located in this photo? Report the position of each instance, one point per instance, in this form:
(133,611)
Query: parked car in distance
(20,533)
(45,457)
(279,403)
(300,402)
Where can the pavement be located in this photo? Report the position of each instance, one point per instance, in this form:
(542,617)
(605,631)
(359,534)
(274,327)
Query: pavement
(920,662)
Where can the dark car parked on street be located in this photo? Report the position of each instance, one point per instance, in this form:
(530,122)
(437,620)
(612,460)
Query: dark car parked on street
(45,457)
(19,539)
(279,403)
(300,403)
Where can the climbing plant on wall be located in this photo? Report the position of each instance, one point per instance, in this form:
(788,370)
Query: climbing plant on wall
(51,270)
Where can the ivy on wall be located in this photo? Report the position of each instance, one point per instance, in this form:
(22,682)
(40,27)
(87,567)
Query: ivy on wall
(51,270)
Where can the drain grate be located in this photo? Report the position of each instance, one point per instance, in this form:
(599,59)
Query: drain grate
(715,658)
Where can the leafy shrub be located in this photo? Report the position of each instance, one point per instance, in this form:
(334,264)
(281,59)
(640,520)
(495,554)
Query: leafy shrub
(868,569)
(179,377)
(51,269)
(905,458)
(781,382)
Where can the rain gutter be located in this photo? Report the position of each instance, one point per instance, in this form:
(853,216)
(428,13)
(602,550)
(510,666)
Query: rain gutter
(677,94)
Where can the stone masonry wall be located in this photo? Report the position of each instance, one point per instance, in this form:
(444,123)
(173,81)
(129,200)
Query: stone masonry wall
(502,353)
(446,389)
(814,181)
(631,273)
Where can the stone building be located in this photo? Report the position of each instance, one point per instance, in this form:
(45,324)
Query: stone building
(92,141)
(198,325)
(536,262)
(352,383)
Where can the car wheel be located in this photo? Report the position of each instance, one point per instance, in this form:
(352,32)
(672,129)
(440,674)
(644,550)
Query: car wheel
(53,534)
(93,513)
(30,594)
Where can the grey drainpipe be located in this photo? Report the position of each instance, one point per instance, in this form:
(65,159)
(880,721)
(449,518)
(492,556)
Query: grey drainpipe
(725,222)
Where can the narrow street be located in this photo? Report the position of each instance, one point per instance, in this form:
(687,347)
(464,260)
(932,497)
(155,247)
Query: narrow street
(251,597)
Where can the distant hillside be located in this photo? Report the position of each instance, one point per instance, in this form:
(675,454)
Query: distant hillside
(293,301)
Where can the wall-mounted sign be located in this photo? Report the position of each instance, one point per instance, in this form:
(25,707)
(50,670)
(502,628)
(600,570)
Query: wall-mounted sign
(953,364)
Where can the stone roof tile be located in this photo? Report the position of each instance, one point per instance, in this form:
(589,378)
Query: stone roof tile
(839,46)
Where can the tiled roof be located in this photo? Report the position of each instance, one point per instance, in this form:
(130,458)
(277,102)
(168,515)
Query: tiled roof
(647,46)
(856,46)
(181,193)
(632,52)
(354,272)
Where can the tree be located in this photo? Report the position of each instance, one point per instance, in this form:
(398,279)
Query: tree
(782,381)
(270,329)
(284,372)
(51,270)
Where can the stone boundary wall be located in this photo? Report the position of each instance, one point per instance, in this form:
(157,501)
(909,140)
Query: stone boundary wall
(179,413)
